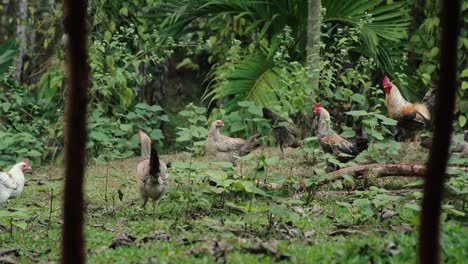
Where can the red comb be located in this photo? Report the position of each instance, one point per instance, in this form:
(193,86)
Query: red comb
(25,161)
(386,81)
(318,105)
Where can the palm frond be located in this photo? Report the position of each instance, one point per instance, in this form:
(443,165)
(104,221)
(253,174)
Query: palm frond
(382,25)
(254,78)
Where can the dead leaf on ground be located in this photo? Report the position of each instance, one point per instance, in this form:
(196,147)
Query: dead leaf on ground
(160,235)
(266,249)
(36,204)
(6,255)
(385,214)
(309,233)
(183,241)
(290,231)
(7,260)
(123,239)
(316,210)
(347,232)
(8,252)
(299,210)
(340,225)
(121,221)
(392,248)
(217,249)
(402,228)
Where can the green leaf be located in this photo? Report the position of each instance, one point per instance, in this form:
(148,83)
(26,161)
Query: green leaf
(99,136)
(359,98)
(464,85)
(464,73)
(155,108)
(110,61)
(123,11)
(156,134)
(143,106)
(344,204)
(462,120)
(125,127)
(6,106)
(34,153)
(21,224)
(415,207)
(357,113)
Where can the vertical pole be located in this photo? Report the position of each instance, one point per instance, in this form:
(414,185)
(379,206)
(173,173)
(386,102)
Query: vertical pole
(429,238)
(75,129)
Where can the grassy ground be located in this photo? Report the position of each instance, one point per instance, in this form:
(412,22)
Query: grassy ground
(219,228)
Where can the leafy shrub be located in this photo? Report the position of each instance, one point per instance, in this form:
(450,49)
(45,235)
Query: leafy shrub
(29,127)
(109,137)
(194,133)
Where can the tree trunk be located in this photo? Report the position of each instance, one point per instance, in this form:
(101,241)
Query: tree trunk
(314,22)
(7,30)
(22,39)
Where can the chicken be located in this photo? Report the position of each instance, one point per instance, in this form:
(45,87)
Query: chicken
(331,142)
(12,182)
(152,173)
(286,134)
(455,146)
(412,118)
(429,101)
(225,148)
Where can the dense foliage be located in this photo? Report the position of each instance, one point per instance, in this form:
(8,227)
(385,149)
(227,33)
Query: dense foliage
(172,67)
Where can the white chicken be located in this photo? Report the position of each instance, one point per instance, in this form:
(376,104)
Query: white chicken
(152,173)
(12,182)
(227,148)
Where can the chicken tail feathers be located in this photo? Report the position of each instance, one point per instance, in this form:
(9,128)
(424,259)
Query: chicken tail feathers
(145,142)
(254,137)
(154,162)
(423,112)
(360,144)
(250,145)
(267,113)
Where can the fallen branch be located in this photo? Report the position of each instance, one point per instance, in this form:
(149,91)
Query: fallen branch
(381,170)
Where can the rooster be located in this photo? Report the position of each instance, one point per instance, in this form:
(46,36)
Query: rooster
(152,173)
(225,148)
(12,182)
(412,118)
(285,133)
(331,142)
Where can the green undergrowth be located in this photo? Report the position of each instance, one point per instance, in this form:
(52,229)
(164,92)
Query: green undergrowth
(268,210)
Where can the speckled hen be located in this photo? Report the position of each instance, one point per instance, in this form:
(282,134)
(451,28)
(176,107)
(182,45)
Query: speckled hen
(152,173)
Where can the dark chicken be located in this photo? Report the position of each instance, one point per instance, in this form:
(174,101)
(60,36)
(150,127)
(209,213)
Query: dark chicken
(455,146)
(331,142)
(286,134)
